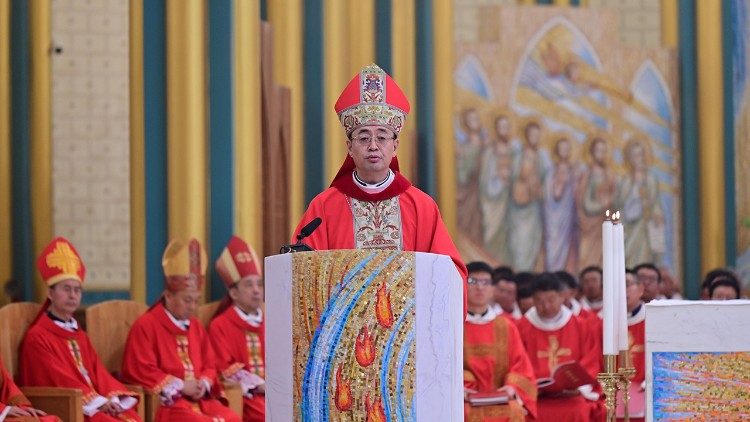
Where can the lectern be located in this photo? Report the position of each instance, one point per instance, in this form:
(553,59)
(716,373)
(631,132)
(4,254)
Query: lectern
(363,335)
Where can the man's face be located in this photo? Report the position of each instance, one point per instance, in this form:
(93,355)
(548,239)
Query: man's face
(566,294)
(563,149)
(505,294)
(591,285)
(533,134)
(524,304)
(724,293)
(599,151)
(480,290)
(473,123)
(636,157)
(548,303)
(633,291)
(65,297)
(183,304)
(502,127)
(650,280)
(372,148)
(248,293)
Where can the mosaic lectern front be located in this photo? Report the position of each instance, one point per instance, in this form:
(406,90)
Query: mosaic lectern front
(362,335)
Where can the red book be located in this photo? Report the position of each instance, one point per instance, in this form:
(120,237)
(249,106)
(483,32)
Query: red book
(567,376)
(488,399)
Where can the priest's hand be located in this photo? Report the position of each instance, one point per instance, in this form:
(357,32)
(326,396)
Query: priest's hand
(110,408)
(468,391)
(194,389)
(509,390)
(18,411)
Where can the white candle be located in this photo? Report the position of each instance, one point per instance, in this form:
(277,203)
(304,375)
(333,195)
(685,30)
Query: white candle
(621,315)
(609,342)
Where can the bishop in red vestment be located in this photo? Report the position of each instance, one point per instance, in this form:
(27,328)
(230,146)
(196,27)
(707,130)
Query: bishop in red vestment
(237,330)
(54,339)
(494,356)
(14,406)
(168,352)
(552,335)
(369,204)
(591,285)
(636,338)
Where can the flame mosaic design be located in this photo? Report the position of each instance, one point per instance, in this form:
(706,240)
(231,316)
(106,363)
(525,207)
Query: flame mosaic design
(354,328)
(701,386)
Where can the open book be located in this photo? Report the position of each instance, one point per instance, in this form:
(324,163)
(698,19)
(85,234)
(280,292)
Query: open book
(488,399)
(567,376)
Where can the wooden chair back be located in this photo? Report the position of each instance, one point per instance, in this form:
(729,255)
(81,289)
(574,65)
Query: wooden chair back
(15,319)
(206,311)
(107,325)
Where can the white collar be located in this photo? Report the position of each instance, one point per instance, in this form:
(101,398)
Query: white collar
(373,188)
(516,312)
(253,320)
(485,318)
(551,324)
(639,316)
(591,306)
(71,325)
(182,324)
(575,306)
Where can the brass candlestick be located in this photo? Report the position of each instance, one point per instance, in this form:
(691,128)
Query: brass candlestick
(626,372)
(609,380)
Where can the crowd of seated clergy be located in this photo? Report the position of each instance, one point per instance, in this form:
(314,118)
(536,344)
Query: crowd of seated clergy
(521,328)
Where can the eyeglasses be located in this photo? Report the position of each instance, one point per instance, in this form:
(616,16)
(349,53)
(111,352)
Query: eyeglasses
(479,281)
(365,139)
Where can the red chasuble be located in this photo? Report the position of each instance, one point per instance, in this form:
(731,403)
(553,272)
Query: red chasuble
(551,343)
(10,395)
(494,357)
(51,356)
(401,217)
(159,353)
(636,344)
(238,346)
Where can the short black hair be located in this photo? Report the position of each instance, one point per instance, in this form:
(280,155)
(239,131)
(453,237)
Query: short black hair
(721,277)
(728,282)
(478,266)
(648,266)
(502,273)
(567,279)
(524,291)
(546,282)
(590,268)
(524,277)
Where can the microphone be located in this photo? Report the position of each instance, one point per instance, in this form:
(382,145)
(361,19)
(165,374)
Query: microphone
(309,228)
(305,232)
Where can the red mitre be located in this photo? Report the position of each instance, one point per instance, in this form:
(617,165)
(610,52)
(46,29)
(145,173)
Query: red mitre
(237,261)
(372,98)
(184,265)
(60,261)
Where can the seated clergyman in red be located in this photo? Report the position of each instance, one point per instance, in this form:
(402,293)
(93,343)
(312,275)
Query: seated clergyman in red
(14,406)
(237,331)
(552,335)
(494,356)
(56,353)
(168,351)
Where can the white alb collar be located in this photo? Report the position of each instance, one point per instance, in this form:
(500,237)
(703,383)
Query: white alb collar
(638,316)
(254,320)
(485,318)
(182,324)
(591,305)
(551,324)
(575,306)
(373,188)
(71,325)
